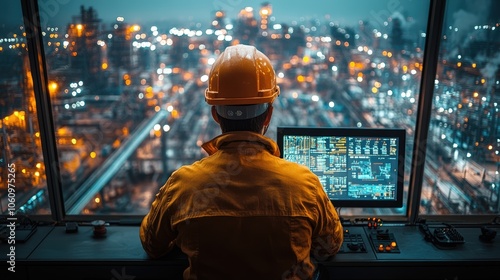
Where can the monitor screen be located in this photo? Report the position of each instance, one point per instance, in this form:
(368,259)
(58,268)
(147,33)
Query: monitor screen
(358,167)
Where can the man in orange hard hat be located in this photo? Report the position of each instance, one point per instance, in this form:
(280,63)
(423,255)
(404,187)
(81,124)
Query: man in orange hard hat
(243,212)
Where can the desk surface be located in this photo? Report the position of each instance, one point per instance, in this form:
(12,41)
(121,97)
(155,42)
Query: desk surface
(51,247)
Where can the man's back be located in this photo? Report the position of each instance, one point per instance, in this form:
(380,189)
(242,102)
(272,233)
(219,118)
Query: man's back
(221,247)
(244,213)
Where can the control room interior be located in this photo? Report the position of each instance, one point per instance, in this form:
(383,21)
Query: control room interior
(102,100)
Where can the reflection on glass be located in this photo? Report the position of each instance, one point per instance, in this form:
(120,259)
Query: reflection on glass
(23,188)
(462,166)
(127,82)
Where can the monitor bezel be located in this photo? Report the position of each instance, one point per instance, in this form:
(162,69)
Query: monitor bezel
(359,132)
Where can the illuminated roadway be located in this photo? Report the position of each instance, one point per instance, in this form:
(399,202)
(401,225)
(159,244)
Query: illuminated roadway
(108,169)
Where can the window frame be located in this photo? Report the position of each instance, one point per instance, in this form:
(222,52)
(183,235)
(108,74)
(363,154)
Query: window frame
(31,17)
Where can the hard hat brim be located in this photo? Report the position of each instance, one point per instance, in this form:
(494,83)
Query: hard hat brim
(211,97)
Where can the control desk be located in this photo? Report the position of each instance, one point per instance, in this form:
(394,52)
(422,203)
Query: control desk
(388,251)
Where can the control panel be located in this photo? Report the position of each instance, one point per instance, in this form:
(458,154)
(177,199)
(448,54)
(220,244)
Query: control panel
(353,243)
(442,236)
(371,248)
(383,241)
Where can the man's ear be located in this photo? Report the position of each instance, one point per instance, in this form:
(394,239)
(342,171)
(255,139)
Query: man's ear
(269,114)
(267,121)
(214,115)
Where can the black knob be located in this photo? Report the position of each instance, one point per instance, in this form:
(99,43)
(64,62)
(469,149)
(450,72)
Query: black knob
(353,246)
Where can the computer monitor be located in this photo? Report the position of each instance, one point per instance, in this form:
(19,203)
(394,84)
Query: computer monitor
(358,167)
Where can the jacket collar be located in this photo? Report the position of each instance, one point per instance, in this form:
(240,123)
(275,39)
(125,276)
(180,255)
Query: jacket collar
(216,143)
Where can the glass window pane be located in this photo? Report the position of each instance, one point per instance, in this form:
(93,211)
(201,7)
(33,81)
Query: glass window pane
(462,165)
(128,79)
(23,188)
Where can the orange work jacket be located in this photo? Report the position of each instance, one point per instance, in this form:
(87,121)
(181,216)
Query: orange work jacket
(243,213)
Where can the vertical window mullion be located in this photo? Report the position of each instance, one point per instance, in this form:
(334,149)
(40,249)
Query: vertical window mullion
(430,62)
(43,106)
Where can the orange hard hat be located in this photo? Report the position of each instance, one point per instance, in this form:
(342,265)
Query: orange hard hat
(241,75)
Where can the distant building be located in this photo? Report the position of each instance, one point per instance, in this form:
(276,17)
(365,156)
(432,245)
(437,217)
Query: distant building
(83,36)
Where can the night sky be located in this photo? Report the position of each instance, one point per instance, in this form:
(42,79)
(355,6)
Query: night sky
(60,12)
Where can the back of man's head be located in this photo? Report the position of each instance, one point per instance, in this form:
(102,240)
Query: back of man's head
(242,83)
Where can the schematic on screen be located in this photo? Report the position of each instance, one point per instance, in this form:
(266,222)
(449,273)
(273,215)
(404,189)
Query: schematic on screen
(350,167)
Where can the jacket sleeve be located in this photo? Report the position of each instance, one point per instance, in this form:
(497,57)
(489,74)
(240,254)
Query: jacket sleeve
(156,233)
(329,233)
